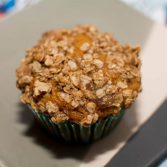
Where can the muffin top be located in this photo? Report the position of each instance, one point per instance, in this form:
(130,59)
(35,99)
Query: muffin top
(80,75)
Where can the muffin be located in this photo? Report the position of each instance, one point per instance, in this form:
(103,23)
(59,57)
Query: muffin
(78,82)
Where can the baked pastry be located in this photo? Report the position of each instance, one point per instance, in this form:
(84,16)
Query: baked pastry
(79,81)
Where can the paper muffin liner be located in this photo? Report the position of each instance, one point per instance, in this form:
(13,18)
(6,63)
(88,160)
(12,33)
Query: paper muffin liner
(76,133)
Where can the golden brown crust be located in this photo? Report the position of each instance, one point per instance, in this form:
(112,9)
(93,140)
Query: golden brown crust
(80,75)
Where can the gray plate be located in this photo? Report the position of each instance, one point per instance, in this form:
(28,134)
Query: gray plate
(22,142)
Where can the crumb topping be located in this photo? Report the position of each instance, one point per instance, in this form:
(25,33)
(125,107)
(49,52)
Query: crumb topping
(79,74)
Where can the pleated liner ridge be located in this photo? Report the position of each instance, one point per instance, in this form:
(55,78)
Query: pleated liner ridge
(74,132)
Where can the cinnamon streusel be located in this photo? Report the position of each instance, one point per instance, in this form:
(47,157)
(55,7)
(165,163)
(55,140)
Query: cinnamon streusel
(81,75)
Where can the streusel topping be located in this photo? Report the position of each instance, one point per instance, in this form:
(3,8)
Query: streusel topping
(79,74)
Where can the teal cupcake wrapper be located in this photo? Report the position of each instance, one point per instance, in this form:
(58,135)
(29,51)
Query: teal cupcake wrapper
(74,132)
